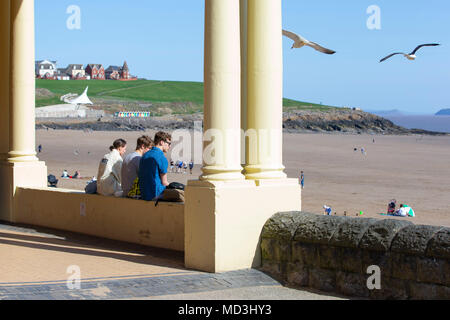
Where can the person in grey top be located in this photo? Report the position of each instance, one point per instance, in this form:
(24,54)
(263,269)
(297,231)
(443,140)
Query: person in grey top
(130,166)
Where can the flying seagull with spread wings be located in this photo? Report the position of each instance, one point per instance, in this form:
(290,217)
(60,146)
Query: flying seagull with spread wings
(412,55)
(300,42)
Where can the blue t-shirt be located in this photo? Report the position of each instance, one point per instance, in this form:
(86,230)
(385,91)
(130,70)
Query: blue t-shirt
(153,163)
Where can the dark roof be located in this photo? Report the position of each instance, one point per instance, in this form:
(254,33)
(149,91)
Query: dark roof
(94,65)
(113,68)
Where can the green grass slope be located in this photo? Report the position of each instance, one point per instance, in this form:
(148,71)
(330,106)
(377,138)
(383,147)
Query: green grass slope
(153,91)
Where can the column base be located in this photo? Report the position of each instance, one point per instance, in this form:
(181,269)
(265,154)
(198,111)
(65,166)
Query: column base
(224,220)
(256,172)
(212,173)
(20,156)
(12,175)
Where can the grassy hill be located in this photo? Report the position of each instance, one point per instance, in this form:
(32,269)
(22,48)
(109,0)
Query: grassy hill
(179,97)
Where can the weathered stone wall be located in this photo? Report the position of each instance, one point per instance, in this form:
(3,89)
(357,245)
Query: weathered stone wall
(333,253)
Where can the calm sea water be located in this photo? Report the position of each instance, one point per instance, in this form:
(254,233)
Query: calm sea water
(432,123)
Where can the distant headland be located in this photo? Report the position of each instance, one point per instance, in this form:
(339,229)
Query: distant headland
(443,112)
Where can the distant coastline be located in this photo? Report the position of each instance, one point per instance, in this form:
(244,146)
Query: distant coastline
(443,112)
(439,123)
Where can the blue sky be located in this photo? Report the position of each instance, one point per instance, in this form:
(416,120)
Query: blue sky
(163,40)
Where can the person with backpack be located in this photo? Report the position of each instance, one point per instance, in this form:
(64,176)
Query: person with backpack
(130,166)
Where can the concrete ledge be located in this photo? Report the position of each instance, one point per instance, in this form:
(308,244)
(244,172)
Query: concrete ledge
(334,253)
(123,219)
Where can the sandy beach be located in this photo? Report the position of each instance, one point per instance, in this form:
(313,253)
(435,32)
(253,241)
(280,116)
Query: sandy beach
(411,169)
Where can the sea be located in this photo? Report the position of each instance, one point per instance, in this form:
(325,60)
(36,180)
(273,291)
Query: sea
(425,122)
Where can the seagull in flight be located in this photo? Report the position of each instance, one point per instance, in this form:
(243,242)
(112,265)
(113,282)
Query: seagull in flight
(299,42)
(412,55)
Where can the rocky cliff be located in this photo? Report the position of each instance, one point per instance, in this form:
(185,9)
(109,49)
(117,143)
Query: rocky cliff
(299,121)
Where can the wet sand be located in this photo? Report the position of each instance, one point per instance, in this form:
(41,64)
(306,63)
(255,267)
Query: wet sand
(411,169)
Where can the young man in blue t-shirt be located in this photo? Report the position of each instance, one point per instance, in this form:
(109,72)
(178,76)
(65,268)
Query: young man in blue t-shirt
(153,168)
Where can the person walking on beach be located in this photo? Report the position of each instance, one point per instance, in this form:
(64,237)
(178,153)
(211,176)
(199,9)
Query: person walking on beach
(191,166)
(40,148)
(130,166)
(153,168)
(110,170)
(302,179)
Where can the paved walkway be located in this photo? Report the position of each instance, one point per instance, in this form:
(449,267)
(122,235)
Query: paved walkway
(44,264)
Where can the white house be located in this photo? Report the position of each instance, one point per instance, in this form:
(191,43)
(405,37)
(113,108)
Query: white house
(76,71)
(45,69)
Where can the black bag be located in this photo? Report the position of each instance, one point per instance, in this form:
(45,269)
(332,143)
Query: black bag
(91,187)
(52,181)
(176,185)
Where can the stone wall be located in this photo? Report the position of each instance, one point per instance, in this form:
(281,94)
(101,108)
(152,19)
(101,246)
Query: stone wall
(333,254)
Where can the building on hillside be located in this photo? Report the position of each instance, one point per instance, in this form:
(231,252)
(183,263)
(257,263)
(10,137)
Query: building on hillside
(95,71)
(45,69)
(113,73)
(76,72)
(119,73)
(61,74)
(125,72)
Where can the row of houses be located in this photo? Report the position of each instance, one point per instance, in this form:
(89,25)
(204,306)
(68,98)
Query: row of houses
(46,69)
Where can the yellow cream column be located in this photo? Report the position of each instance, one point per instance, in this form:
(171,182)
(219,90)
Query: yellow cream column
(265,91)
(244,39)
(221,151)
(4,80)
(22,167)
(22,94)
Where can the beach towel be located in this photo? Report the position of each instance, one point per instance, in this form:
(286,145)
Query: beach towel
(410,211)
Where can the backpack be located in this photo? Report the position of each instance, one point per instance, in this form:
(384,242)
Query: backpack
(176,185)
(135,191)
(91,187)
(52,180)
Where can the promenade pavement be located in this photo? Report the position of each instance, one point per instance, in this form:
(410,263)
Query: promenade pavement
(43,264)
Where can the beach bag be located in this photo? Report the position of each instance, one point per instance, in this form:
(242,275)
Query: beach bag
(91,187)
(171,195)
(135,191)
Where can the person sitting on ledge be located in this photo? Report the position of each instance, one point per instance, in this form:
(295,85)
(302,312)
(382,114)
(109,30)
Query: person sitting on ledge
(110,170)
(153,168)
(130,166)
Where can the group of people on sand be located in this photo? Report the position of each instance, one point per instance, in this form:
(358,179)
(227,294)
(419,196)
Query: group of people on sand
(141,174)
(65,175)
(403,211)
(179,166)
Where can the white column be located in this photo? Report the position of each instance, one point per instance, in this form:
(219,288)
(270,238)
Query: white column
(221,148)
(4,80)
(22,81)
(244,39)
(265,91)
